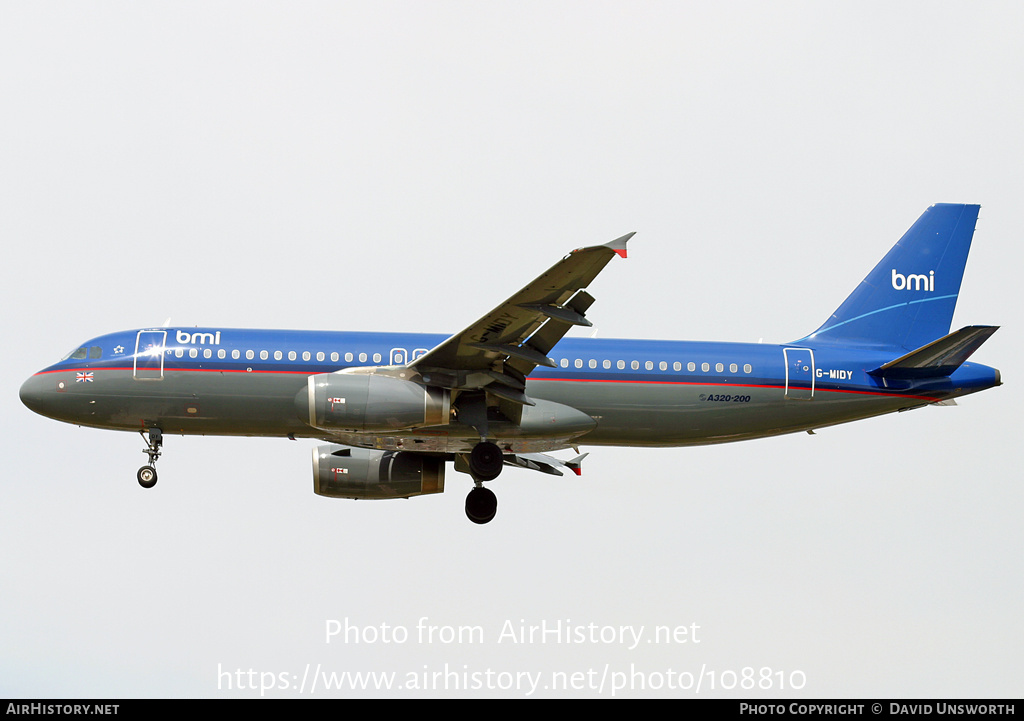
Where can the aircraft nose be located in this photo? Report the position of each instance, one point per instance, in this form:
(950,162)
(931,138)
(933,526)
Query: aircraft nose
(33,394)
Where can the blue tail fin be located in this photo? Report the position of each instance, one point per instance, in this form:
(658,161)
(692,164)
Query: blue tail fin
(907,301)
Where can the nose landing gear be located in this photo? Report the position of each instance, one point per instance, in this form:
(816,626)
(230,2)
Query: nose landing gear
(147,474)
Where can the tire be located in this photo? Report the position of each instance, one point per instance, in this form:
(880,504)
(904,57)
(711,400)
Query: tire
(485,461)
(147,476)
(481,505)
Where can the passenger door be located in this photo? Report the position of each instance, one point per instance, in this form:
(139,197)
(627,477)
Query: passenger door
(149,355)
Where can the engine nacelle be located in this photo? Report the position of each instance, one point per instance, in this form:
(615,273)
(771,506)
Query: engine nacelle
(361,403)
(345,472)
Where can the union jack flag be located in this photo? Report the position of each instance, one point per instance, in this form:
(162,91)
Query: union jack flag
(83,377)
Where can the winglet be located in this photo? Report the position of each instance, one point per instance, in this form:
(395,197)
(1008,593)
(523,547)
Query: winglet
(576,464)
(619,244)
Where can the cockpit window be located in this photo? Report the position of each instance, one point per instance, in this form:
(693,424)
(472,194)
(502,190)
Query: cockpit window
(95,352)
(77,354)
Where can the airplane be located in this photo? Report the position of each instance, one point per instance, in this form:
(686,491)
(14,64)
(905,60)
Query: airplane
(395,408)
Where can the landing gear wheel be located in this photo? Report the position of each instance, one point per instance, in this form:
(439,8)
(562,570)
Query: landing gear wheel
(147,476)
(485,461)
(481,505)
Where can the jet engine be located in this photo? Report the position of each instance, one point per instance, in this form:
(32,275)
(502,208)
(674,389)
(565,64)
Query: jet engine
(373,403)
(345,472)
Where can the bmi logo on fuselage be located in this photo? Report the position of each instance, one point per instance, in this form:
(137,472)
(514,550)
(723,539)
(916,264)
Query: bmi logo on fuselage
(198,338)
(913,282)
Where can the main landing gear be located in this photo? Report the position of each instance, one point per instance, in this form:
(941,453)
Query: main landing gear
(147,474)
(485,463)
(481,505)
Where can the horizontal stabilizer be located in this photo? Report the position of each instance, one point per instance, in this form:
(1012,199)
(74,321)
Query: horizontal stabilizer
(939,358)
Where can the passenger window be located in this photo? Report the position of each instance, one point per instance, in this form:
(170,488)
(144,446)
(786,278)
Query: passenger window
(649,365)
(193,352)
(607,364)
(677,366)
(362,357)
(733,367)
(278,355)
(691,366)
(663,366)
(305,355)
(719,367)
(264,355)
(376,357)
(249,355)
(564,363)
(348,357)
(334,357)
(592,363)
(208,353)
(747,368)
(635,365)
(179,352)
(705,367)
(620,364)
(235,354)
(320,355)
(578,363)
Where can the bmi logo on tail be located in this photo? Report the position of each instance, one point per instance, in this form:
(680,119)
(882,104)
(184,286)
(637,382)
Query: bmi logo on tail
(919,282)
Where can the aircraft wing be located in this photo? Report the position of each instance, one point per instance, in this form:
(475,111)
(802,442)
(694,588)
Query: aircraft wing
(505,345)
(545,463)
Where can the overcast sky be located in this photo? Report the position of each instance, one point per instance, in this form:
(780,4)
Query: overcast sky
(408,165)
